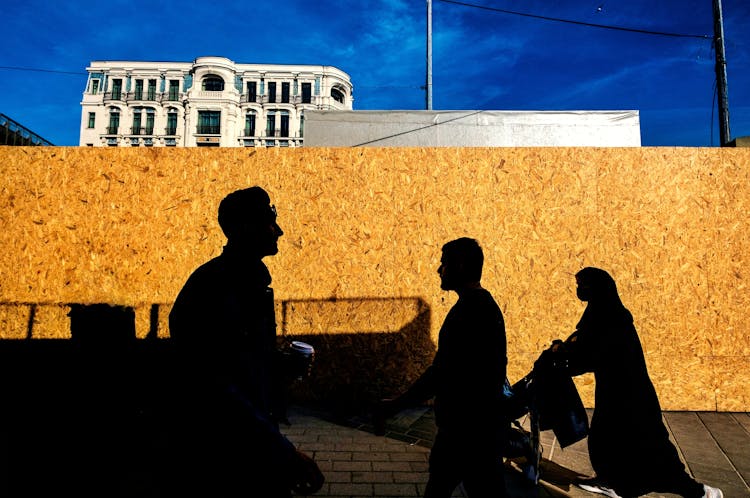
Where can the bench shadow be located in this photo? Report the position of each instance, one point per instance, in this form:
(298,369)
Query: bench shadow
(384,347)
(86,414)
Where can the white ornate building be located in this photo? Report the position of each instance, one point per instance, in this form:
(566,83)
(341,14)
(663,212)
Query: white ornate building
(212,101)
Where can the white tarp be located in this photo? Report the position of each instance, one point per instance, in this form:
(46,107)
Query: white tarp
(472,128)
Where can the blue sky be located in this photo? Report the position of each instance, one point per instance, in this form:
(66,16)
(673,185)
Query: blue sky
(482,59)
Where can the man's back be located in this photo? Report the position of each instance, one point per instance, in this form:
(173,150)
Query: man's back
(470,363)
(223,328)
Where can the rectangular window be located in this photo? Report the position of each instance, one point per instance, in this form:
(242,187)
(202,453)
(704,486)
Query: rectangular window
(306,93)
(117,89)
(270,125)
(250,125)
(171,124)
(137,123)
(284,125)
(92,119)
(174,90)
(151,90)
(149,123)
(138,89)
(252,93)
(114,123)
(285,93)
(272,92)
(94,87)
(209,122)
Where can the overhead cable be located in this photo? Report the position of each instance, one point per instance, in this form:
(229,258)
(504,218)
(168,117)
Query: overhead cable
(580,23)
(14,68)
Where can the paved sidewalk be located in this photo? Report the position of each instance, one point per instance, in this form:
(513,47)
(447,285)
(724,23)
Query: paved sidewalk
(715,446)
(359,464)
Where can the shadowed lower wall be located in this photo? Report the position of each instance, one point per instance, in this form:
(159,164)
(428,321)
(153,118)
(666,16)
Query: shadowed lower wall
(127,226)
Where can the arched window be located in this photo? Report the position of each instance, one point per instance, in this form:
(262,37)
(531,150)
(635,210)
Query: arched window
(213,83)
(337,95)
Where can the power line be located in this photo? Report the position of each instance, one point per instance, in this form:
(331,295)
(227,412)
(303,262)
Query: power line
(14,68)
(579,23)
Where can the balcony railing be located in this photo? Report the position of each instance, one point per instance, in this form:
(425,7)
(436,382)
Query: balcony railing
(170,131)
(249,99)
(293,99)
(209,130)
(140,96)
(288,99)
(210,94)
(277,133)
(112,130)
(142,131)
(113,95)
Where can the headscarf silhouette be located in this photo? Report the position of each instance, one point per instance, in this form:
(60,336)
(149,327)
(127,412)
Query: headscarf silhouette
(598,288)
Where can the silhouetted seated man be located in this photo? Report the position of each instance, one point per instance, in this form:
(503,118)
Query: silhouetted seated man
(466,379)
(224,331)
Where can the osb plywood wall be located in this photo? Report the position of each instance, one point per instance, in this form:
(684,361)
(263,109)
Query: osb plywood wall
(364,226)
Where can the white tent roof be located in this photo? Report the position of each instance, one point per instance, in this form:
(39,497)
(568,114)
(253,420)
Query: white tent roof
(472,128)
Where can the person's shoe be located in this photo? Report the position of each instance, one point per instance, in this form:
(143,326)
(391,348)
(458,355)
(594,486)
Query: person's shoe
(709,492)
(592,486)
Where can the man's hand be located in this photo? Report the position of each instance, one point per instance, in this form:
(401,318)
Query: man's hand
(306,477)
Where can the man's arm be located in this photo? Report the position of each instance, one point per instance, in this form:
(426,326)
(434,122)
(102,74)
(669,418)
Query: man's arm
(421,390)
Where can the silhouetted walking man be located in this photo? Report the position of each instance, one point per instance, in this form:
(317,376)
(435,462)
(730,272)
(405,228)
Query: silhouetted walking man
(224,330)
(466,379)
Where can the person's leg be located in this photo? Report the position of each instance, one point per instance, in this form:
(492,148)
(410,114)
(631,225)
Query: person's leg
(670,474)
(444,469)
(441,485)
(485,477)
(686,486)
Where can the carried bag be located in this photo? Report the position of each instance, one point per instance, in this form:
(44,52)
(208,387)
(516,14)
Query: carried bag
(557,400)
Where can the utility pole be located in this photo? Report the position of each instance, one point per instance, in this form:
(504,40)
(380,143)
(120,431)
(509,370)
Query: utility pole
(721,74)
(428,85)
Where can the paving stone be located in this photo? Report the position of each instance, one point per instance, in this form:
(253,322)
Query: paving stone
(352,466)
(371,456)
(393,466)
(340,489)
(395,490)
(373,477)
(333,455)
(414,477)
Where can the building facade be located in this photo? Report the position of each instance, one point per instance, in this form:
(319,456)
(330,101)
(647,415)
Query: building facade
(211,102)
(14,133)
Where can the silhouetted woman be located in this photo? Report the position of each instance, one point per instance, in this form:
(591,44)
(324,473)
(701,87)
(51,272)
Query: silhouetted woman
(629,446)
